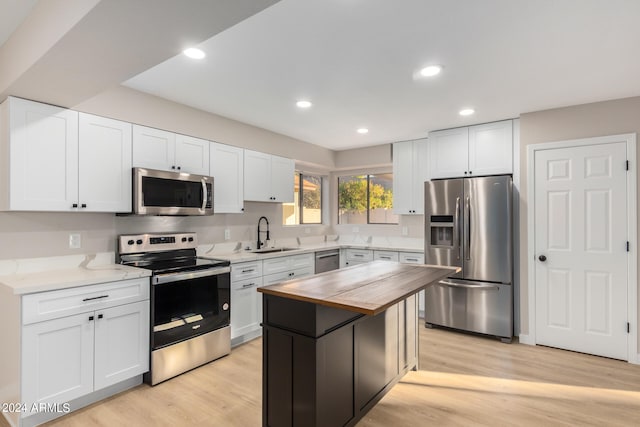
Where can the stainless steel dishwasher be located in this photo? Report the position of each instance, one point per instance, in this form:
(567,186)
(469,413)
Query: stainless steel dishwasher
(327,260)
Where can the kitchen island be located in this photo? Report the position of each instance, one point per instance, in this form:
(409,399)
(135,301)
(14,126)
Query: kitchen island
(336,342)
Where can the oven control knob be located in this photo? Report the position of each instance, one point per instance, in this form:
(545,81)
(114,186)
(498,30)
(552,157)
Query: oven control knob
(191,239)
(225,306)
(130,242)
(139,241)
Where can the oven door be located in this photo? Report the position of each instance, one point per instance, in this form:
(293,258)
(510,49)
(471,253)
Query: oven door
(187,304)
(171,193)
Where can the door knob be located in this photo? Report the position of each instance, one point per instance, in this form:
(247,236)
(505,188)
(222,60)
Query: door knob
(542,258)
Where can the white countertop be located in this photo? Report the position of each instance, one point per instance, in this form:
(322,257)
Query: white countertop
(245,256)
(26,276)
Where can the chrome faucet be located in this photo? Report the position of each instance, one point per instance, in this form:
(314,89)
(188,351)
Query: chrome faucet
(259,231)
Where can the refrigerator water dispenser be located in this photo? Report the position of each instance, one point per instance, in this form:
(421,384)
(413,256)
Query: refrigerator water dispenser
(442,231)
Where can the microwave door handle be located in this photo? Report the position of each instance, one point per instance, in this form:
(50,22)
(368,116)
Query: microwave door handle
(204,194)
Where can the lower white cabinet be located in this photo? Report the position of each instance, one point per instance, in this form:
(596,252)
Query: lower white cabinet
(96,341)
(246,301)
(277,270)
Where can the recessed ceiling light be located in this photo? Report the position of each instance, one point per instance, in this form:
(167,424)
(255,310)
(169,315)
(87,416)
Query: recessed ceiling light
(194,53)
(467,112)
(303,104)
(363,131)
(430,71)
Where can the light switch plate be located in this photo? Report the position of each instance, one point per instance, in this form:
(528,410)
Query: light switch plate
(75,241)
(405,230)
(227,234)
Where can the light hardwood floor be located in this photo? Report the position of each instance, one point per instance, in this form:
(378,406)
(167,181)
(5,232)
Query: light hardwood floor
(464,380)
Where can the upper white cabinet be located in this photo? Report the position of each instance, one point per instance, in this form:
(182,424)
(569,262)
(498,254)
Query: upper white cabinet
(227,169)
(60,160)
(104,175)
(410,171)
(268,178)
(162,150)
(472,151)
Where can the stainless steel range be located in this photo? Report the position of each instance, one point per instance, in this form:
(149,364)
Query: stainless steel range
(190,301)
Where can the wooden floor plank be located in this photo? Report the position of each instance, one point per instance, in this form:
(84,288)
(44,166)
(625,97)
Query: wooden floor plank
(464,380)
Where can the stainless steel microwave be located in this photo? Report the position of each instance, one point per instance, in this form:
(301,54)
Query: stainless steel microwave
(157,192)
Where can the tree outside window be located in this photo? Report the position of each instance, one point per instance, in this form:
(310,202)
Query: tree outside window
(366,199)
(307,201)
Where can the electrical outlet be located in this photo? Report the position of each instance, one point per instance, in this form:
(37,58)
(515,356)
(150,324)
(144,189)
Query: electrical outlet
(74,241)
(355,230)
(405,231)
(227,234)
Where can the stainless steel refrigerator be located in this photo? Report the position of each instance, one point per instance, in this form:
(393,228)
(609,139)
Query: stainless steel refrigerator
(468,223)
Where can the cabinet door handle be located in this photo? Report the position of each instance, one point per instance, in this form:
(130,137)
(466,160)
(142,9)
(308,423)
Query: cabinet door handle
(412,259)
(75,205)
(84,205)
(385,257)
(249,270)
(100,297)
(90,318)
(100,316)
(248,285)
(358,255)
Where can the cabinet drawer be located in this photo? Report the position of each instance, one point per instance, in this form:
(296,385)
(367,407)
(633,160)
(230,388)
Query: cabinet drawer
(276,265)
(302,261)
(360,255)
(287,275)
(386,255)
(246,270)
(240,285)
(411,258)
(66,302)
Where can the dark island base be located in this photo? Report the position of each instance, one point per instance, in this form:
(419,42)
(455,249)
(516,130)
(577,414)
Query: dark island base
(327,367)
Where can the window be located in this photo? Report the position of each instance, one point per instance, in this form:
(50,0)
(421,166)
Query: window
(307,201)
(366,199)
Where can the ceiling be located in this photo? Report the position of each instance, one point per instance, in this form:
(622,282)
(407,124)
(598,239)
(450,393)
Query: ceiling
(356,60)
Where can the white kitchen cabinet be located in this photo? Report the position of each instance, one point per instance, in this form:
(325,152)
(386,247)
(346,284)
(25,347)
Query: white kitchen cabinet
(358,256)
(478,150)
(62,160)
(121,343)
(40,166)
(57,358)
(385,255)
(163,150)
(491,148)
(80,340)
(287,267)
(226,166)
(410,171)
(246,301)
(268,178)
(104,164)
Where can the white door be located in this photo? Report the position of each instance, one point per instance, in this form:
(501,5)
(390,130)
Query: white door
(227,169)
(121,343)
(580,249)
(403,176)
(57,359)
(104,164)
(192,155)
(43,157)
(154,148)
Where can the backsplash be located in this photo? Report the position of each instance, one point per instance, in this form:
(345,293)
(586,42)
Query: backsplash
(46,234)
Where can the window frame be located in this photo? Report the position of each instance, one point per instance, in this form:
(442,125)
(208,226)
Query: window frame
(368,208)
(301,176)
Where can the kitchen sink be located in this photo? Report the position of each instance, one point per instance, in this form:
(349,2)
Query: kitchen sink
(271,250)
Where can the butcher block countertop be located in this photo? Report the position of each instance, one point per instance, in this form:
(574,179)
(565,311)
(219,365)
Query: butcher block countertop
(368,288)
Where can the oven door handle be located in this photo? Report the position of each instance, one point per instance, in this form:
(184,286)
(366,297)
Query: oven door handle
(176,277)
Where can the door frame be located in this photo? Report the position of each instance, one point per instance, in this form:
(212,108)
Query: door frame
(633,355)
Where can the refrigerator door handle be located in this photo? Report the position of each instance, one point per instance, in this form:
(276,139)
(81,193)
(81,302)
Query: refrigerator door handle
(467,223)
(457,232)
(467,286)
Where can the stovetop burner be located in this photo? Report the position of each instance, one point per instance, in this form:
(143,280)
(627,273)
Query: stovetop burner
(176,264)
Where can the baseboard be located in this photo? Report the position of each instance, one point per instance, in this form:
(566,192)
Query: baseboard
(526,339)
(246,337)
